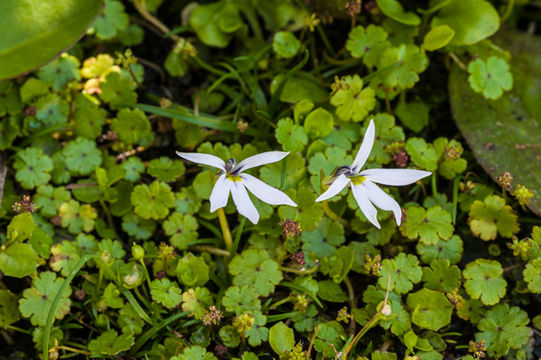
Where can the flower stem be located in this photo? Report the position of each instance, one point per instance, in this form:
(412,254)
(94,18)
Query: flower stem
(211,250)
(372,322)
(434,185)
(457,61)
(331,214)
(154,21)
(309,350)
(352,303)
(107,214)
(7,338)
(388,103)
(208,67)
(508,10)
(147,275)
(226,233)
(74,350)
(300,272)
(238,235)
(280,302)
(456,184)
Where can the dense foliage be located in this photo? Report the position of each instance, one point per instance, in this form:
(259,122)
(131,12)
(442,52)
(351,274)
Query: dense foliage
(109,247)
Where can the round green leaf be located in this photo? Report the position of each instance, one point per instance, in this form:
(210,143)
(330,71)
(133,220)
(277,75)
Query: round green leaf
(472,20)
(431,309)
(214,23)
(285,44)
(300,86)
(35,31)
(394,10)
(18,260)
(281,338)
(8,308)
(319,123)
(437,38)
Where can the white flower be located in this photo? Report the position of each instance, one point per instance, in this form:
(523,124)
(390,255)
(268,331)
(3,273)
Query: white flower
(232,179)
(362,184)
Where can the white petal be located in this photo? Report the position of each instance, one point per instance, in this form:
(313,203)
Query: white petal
(360,194)
(220,193)
(205,159)
(261,159)
(266,192)
(365,149)
(245,206)
(394,177)
(341,182)
(383,200)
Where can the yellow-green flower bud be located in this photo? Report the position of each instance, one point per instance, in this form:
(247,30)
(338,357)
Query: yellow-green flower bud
(137,252)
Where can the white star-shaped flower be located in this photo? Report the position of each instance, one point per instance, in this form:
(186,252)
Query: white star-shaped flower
(232,179)
(365,191)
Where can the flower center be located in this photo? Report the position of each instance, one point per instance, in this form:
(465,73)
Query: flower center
(357,180)
(230,165)
(232,171)
(234,178)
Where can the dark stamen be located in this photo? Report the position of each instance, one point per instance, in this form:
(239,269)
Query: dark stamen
(346,170)
(230,165)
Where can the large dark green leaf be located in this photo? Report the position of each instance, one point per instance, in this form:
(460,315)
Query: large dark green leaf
(505,135)
(36,31)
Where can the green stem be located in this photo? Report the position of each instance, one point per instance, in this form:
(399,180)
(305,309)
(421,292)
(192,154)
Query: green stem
(50,316)
(325,40)
(98,286)
(154,21)
(300,272)
(142,297)
(208,67)
(7,338)
(107,214)
(280,302)
(508,10)
(458,61)
(372,322)
(334,61)
(434,185)
(146,273)
(284,173)
(238,235)
(332,215)
(213,229)
(351,292)
(252,19)
(154,330)
(456,183)
(211,250)
(138,309)
(526,220)
(335,70)
(226,233)
(352,303)
(299,289)
(50,129)
(278,317)
(74,350)
(18,329)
